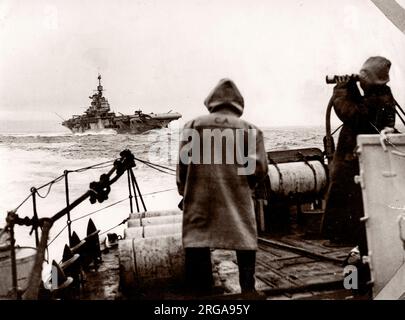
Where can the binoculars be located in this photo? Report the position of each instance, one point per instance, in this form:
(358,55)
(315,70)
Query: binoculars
(333,79)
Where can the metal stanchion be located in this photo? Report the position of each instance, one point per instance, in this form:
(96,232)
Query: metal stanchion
(69,222)
(130,192)
(34,206)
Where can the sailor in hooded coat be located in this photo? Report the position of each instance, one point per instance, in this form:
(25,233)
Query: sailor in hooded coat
(217,197)
(361,114)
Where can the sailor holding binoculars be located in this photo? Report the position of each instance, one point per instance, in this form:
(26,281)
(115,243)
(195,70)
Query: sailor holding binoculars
(361,114)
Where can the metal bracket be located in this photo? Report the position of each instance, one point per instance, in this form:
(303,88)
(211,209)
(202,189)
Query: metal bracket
(359,179)
(364,219)
(384,138)
(367,259)
(312,169)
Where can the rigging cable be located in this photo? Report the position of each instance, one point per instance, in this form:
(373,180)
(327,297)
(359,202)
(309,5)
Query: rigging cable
(100,165)
(122,222)
(24,201)
(160,170)
(115,203)
(155,164)
(86,215)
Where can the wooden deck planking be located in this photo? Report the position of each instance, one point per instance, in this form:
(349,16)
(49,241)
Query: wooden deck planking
(275,268)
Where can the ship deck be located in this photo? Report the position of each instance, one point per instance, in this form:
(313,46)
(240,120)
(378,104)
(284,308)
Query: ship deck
(288,267)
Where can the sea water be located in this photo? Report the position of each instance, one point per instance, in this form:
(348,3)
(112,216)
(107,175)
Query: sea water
(29,159)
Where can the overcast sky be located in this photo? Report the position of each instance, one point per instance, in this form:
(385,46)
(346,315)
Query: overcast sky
(163,55)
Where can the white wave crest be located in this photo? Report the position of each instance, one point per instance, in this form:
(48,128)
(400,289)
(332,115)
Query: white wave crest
(96,133)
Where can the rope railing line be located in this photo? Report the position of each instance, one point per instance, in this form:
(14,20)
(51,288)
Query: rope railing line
(155,192)
(113,204)
(59,233)
(59,178)
(50,183)
(81,217)
(98,192)
(49,190)
(121,223)
(155,164)
(93,212)
(24,201)
(100,165)
(96,166)
(160,170)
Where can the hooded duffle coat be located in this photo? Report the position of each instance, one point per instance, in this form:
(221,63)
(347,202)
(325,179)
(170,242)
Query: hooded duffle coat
(217,201)
(367,114)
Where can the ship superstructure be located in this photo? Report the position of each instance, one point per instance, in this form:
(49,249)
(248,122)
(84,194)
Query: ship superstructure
(98,117)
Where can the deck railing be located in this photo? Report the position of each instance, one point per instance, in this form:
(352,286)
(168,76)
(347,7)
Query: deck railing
(98,192)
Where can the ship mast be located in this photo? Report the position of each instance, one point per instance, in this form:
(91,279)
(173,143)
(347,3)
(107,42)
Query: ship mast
(99,87)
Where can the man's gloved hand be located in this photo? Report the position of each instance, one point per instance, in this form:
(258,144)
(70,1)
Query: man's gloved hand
(343,79)
(346,85)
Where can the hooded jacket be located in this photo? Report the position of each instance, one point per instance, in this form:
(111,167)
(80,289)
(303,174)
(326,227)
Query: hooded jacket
(376,70)
(217,192)
(366,114)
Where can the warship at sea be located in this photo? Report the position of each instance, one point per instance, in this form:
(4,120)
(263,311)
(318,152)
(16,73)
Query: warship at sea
(293,262)
(98,117)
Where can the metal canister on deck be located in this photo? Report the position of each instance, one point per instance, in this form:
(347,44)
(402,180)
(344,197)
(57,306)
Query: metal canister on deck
(298,178)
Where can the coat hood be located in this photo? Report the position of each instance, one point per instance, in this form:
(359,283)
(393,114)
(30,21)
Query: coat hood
(225,93)
(376,70)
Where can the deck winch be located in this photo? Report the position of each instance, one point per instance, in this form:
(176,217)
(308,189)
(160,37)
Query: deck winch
(297,181)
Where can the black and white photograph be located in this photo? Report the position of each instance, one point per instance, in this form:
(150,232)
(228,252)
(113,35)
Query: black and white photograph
(213,151)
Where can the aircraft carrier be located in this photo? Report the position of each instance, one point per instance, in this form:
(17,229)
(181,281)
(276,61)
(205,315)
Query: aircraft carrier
(98,117)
